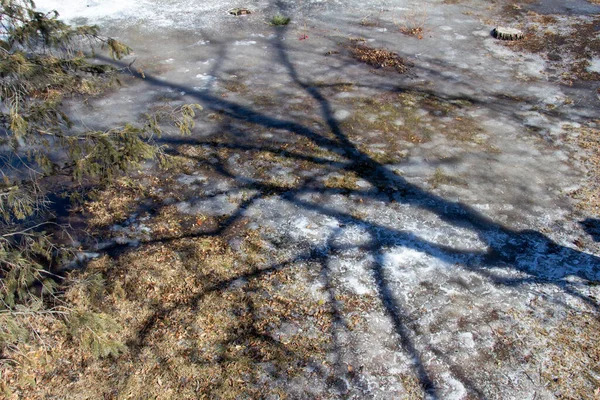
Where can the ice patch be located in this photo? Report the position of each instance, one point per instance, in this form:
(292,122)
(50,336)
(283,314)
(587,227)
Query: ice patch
(91,9)
(341,115)
(205,77)
(155,15)
(200,43)
(353,273)
(127,241)
(594,65)
(454,389)
(191,179)
(534,66)
(214,206)
(316,229)
(401,261)
(357,286)
(83,256)
(244,43)
(481,33)
(466,339)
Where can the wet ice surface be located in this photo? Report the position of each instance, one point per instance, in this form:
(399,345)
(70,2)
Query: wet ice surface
(440,262)
(575,7)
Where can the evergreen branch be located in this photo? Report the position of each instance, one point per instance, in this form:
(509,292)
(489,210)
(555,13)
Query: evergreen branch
(25,231)
(39,312)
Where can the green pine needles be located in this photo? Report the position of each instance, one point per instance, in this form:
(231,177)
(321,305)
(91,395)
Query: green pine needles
(279,20)
(43,62)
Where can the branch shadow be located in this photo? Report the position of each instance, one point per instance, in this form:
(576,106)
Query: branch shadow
(533,253)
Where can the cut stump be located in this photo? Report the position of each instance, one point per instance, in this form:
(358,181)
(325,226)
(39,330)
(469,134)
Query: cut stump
(239,11)
(504,33)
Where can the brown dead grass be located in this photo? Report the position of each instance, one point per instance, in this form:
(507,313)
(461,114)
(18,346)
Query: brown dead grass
(346,181)
(588,196)
(567,352)
(575,360)
(395,119)
(379,58)
(439,178)
(571,46)
(199,320)
(413,23)
(193,329)
(414,31)
(123,194)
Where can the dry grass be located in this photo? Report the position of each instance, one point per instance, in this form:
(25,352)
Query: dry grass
(570,46)
(416,31)
(346,181)
(413,24)
(439,178)
(199,319)
(567,352)
(333,87)
(235,86)
(389,115)
(379,58)
(395,119)
(412,387)
(575,360)
(369,21)
(123,195)
(588,196)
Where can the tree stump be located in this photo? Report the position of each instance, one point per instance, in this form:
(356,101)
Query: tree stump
(239,11)
(504,33)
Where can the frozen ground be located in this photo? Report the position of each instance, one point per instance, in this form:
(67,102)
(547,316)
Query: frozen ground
(448,211)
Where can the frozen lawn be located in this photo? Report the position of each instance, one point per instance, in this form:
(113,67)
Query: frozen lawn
(336,230)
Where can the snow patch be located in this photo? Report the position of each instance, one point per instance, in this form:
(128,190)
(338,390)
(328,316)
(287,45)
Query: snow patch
(244,43)
(594,65)
(218,205)
(454,389)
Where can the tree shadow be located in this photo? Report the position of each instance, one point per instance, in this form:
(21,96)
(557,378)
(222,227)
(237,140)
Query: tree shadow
(592,227)
(532,253)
